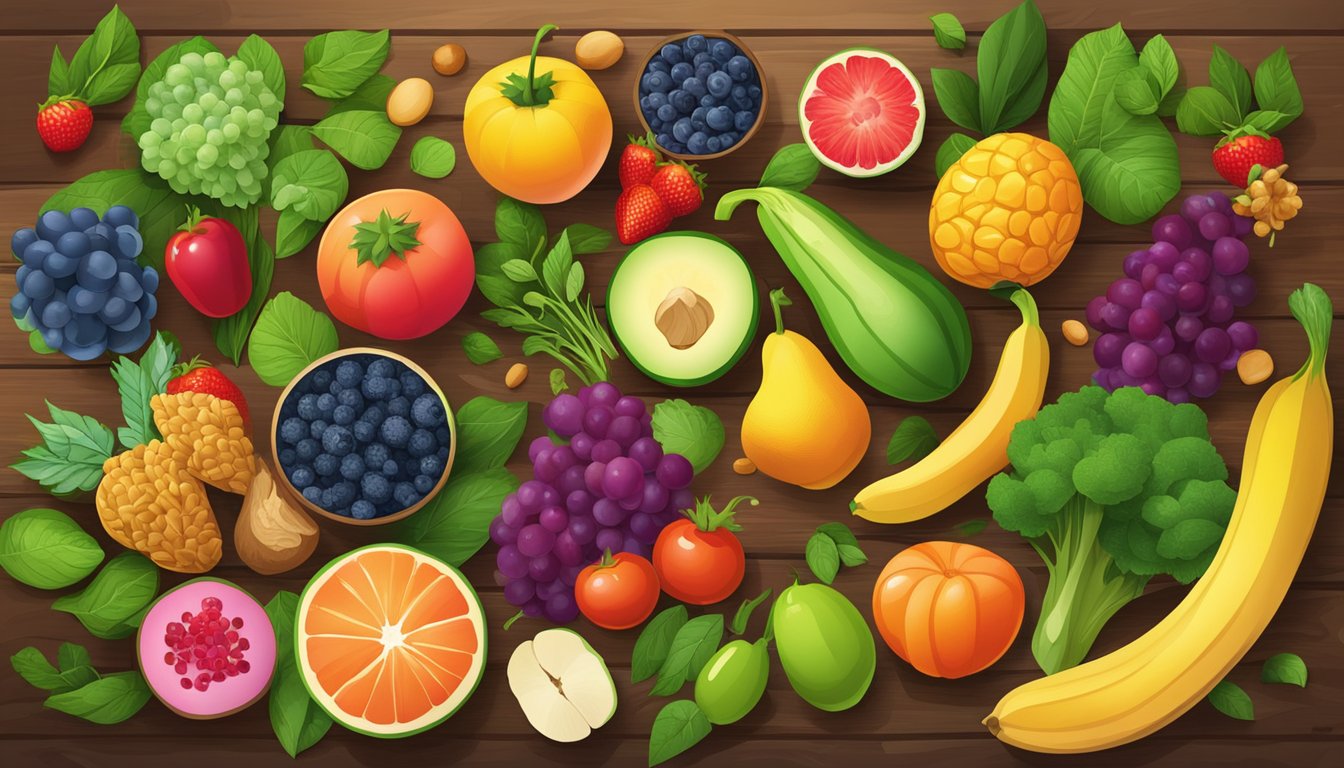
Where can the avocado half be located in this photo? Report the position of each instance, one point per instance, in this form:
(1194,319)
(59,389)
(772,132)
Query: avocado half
(683,307)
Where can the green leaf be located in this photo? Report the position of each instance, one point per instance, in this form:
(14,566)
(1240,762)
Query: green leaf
(1276,88)
(293,233)
(289,335)
(1205,111)
(970,527)
(655,642)
(679,726)
(370,95)
(312,182)
(823,557)
(297,720)
(159,208)
(555,267)
(744,611)
(108,700)
(364,137)
(958,96)
(694,643)
(455,524)
(70,459)
(1172,101)
(693,431)
(1137,91)
(258,54)
(1229,698)
(950,151)
(488,431)
(337,63)
(137,120)
(138,382)
(44,548)
(1011,69)
(58,78)
(107,63)
(913,439)
(585,238)
(1127,164)
(558,383)
(494,284)
(520,271)
(1231,79)
(1268,120)
(792,167)
(1288,668)
(521,225)
(125,586)
(231,333)
(846,545)
(948,32)
(76,669)
(574,282)
(1159,59)
(480,349)
(433,157)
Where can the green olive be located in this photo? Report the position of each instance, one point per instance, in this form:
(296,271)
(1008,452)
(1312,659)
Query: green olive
(732,681)
(824,646)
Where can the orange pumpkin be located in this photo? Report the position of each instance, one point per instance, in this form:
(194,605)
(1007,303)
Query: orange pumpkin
(396,264)
(950,609)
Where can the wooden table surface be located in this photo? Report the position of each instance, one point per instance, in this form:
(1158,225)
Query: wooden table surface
(906,718)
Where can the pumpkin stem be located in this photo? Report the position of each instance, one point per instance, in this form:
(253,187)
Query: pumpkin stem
(375,241)
(534,90)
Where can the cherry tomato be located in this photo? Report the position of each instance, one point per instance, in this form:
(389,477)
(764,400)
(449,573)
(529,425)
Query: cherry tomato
(618,592)
(699,560)
(207,261)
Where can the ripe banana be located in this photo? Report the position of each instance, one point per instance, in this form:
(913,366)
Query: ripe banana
(1147,684)
(979,447)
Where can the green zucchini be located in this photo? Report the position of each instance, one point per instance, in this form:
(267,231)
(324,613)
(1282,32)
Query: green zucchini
(894,324)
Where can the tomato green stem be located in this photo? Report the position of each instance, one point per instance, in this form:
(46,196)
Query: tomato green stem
(193,222)
(777,300)
(707,519)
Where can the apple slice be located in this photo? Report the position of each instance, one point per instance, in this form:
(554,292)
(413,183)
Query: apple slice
(562,684)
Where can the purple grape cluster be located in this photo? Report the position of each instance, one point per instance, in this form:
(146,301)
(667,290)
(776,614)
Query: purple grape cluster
(610,488)
(1167,325)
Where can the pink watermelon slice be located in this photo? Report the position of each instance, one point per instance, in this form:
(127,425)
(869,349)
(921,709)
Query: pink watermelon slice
(862,112)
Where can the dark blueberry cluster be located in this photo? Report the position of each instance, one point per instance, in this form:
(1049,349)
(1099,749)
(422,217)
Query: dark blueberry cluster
(700,95)
(363,436)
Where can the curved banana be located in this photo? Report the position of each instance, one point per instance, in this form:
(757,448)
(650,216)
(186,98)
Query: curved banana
(1147,684)
(979,447)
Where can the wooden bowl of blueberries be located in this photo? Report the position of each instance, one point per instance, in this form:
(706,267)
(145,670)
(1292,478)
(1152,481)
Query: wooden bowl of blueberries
(363,436)
(701,94)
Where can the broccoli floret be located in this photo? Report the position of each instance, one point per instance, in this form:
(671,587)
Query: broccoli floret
(1111,490)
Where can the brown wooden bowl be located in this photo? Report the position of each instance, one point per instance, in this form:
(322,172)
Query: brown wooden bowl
(282,477)
(741,46)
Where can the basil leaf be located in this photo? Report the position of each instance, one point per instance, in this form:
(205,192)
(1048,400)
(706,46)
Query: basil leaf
(293,233)
(480,349)
(574,282)
(336,63)
(792,167)
(137,383)
(1137,91)
(364,137)
(679,726)
(159,208)
(58,78)
(488,431)
(72,655)
(231,332)
(948,32)
(125,586)
(137,121)
(1229,698)
(370,95)
(289,335)
(1205,111)
(1268,121)
(1127,164)
(1286,668)
(520,271)
(297,720)
(311,182)
(823,557)
(433,157)
(1159,59)
(44,548)
(108,700)
(970,527)
(555,267)
(258,54)
(107,63)
(693,431)
(694,643)
(585,238)
(914,438)
(455,524)
(75,672)
(1172,101)
(1229,78)
(494,284)
(958,95)
(847,547)
(558,383)
(744,611)
(950,151)
(1276,88)
(1010,67)
(655,641)
(521,225)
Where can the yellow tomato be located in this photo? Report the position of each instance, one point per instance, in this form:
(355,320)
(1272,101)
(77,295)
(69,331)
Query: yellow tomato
(537,128)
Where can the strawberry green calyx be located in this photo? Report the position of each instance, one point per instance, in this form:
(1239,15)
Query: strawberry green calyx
(697,175)
(182,369)
(375,241)
(194,219)
(74,103)
(708,520)
(534,90)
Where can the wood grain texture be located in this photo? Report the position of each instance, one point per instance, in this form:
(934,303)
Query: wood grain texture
(906,718)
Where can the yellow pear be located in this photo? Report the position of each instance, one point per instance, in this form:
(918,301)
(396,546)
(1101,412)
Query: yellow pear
(805,426)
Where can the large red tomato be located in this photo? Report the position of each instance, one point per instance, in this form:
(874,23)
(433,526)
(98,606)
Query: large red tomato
(618,592)
(698,558)
(396,264)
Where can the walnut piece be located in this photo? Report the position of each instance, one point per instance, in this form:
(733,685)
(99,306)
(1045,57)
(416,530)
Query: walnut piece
(683,317)
(272,535)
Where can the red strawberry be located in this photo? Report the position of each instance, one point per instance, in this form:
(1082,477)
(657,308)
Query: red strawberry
(1242,150)
(640,213)
(64,124)
(680,186)
(639,160)
(199,376)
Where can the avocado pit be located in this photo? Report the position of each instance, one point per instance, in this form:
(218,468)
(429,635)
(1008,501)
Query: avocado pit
(683,317)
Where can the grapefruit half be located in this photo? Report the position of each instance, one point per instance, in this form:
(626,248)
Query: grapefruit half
(390,641)
(862,112)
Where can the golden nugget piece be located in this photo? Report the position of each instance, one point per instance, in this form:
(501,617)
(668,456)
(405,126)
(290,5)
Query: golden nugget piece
(208,435)
(149,502)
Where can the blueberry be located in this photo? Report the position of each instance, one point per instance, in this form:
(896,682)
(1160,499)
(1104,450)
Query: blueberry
(443,436)
(338,441)
(375,454)
(118,215)
(655,100)
(307,449)
(694,86)
(699,115)
(35,253)
(313,494)
(307,407)
(363,431)
(443,454)
(399,406)
(671,53)
(657,125)
(391,468)
(713,144)
(656,82)
(421,443)
(382,368)
(682,130)
(396,431)
(292,430)
(754,93)
(698,143)
(727,139)
(343,415)
(352,398)
(667,112)
(328,500)
(681,71)
(699,125)
(363,510)
(657,65)
(343,493)
(302,476)
(321,379)
(424,484)
(664,140)
(722,51)
(60,265)
(52,224)
(697,43)
(430,465)
(148,305)
(316,427)
(739,68)
(37,285)
(703,58)
(287,457)
(704,69)
(325,465)
(393,387)
(427,411)
(405,494)
(374,387)
(681,101)
(352,467)
(719,84)
(742,121)
(335,388)
(349,373)
(719,119)
(709,101)
(644,106)
(374,414)
(410,466)
(326,404)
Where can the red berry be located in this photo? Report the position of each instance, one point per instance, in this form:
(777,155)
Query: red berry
(639,161)
(640,213)
(200,376)
(680,186)
(64,125)
(1238,153)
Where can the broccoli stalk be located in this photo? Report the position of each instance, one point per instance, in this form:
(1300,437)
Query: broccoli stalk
(1110,490)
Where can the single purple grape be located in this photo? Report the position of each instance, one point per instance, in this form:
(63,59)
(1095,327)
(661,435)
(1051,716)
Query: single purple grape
(1172,229)
(1148,277)
(1174,370)
(1242,226)
(597,421)
(647,452)
(501,532)
(1204,380)
(1199,263)
(1188,327)
(1094,313)
(538,445)
(530,495)
(1139,360)
(1108,349)
(549,497)
(624,478)
(582,529)
(1229,363)
(592,477)
(635,547)
(1212,345)
(1178,395)
(624,430)
(644,527)
(1153,387)
(544,470)
(1220,310)
(564,414)
(1164,255)
(544,568)
(629,406)
(1165,343)
(1243,335)
(1161,303)
(568,550)
(1167,284)
(1191,297)
(608,512)
(1221,202)
(655,496)
(610,539)
(534,608)
(1194,207)
(605,394)
(1214,225)
(631,503)
(511,562)
(681,500)
(1241,289)
(571,480)
(1102,378)
(1230,256)
(1144,324)
(1125,292)
(606,450)
(534,541)
(1134,263)
(546,589)
(512,512)
(1115,317)
(570,573)
(520,590)
(675,471)
(582,446)
(561,608)
(579,503)
(553,519)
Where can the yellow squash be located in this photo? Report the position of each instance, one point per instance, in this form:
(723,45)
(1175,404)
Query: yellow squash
(1147,684)
(979,447)
(537,128)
